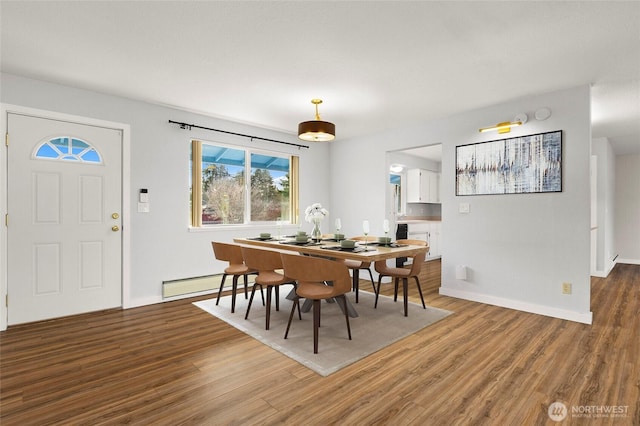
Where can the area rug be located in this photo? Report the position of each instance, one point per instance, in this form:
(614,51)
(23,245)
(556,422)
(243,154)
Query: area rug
(371,331)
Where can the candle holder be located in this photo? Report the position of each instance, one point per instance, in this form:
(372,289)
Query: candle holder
(365,230)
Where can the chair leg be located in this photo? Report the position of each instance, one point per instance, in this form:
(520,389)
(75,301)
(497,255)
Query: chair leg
(356,283)
(420,291)
(395,289)
(295,287)
(224,277)
(277,298)
(253,292)
(268,316)
(296,302)
(246,281)
(375,305)
(346,314)
(316,324)
(234,290)
(405,291)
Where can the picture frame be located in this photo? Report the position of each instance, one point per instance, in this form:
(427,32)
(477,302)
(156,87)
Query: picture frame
(518,165)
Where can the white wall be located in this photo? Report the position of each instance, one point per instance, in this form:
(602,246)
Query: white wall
(519,248)
(162,245)
(606,189)
(627,208)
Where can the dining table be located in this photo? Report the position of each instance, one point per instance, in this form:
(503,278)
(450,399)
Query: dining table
(330,248)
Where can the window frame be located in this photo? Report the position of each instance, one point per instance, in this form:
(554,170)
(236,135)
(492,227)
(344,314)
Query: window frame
(70,157)
(196,184)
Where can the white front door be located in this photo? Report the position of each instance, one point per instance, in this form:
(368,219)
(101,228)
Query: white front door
(64,218)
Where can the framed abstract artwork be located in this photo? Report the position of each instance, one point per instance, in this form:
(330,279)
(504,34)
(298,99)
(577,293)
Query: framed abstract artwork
(519,165)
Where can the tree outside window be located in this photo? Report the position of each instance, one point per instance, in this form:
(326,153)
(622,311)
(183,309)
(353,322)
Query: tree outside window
(224,187)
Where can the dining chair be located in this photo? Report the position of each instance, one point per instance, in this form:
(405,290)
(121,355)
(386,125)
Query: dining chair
(267,263)
(232,254)
(402,273)
(318,279)
(355,265)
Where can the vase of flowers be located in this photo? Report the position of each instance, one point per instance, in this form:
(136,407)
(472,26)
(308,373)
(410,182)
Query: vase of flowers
(314,214)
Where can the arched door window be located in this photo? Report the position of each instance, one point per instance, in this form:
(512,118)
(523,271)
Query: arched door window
(66,148)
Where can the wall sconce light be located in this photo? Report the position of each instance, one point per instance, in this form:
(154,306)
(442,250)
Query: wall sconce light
(316,130)
(506,126)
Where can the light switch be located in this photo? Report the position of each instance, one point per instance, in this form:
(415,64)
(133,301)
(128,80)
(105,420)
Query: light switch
(463,208)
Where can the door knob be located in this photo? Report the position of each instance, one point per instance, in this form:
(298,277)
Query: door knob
(115,228)
(115,216)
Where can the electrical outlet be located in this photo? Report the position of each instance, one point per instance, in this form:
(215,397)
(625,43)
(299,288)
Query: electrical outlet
(566,288)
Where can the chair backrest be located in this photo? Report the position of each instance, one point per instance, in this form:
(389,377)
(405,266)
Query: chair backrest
(231,253)
(417,260)
(261,260)
(416,265)
(412,242)
(316,270)
(368,238)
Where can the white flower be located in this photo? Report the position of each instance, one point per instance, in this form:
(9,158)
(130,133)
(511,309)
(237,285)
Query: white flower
(315,212)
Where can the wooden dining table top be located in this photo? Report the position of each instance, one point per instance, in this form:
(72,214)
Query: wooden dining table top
(328,248)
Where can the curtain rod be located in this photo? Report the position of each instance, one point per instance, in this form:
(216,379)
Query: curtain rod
(190,126)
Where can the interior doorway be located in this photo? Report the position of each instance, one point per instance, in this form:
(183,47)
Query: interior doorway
(403,166)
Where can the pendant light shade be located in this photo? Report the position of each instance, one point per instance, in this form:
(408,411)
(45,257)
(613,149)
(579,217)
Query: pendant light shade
(316,130)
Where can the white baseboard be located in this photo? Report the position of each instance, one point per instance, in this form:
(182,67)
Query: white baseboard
(135,303)
(612,264)
(585,318)
(629,261)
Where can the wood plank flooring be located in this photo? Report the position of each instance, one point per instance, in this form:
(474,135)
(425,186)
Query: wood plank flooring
(174,364)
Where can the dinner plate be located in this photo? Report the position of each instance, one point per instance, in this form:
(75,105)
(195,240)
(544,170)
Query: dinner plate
(300,243)
(356,249)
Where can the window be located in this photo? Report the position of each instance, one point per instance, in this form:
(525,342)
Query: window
(221,195)
(396,189)
(68,149)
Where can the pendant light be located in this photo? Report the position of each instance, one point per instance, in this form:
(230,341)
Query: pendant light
(316,130)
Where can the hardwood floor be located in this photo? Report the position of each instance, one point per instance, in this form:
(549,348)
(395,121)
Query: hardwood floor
(174,364)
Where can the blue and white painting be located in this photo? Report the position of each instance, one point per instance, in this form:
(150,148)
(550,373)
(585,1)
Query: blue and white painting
(518,165)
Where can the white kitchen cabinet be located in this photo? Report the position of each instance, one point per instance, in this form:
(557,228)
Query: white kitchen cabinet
(416,186)
(434,240)
(434,187)
(428,231)
(423,186)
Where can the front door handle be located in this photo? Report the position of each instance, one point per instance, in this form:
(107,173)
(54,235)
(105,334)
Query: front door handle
(115,228)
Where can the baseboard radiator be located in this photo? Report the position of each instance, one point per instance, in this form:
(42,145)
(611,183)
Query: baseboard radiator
(194,285)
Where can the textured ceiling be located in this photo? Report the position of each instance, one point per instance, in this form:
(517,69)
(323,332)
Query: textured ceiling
(376,65)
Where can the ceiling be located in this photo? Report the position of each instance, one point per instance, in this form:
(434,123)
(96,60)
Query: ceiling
(377,65)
